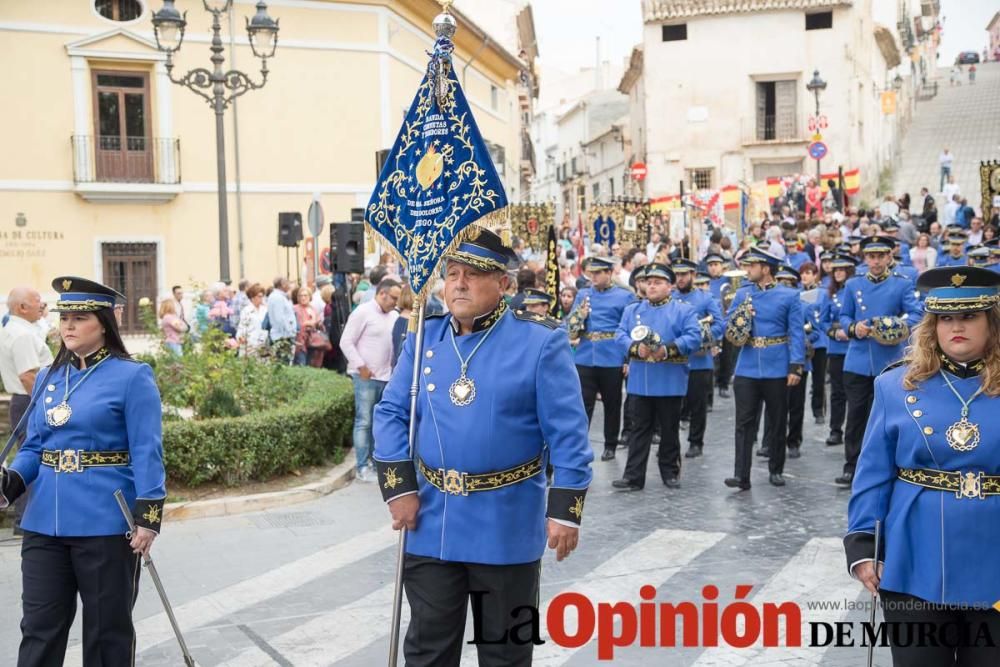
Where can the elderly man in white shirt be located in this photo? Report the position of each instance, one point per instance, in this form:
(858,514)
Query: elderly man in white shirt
(23,353)
(367,345)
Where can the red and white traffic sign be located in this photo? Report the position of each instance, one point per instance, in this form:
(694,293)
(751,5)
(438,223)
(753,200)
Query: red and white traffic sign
(638,171)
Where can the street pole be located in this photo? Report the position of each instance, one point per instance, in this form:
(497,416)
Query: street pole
(819,172)
(219,105)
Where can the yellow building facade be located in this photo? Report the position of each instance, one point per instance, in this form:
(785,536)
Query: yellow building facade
(110,169)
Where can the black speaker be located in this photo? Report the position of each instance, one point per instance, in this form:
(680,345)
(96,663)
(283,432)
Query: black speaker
(289,229)
(380,158)
(347,247)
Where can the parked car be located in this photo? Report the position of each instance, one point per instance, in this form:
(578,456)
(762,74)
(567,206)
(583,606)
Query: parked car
(967,58)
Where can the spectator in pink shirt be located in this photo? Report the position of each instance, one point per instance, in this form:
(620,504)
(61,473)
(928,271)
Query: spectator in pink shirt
(367,344)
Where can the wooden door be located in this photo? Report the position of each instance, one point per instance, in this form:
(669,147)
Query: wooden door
(123,146)
(130,268)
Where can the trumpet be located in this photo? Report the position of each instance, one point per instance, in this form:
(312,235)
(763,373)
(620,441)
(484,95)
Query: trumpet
(707,340)
(728,291)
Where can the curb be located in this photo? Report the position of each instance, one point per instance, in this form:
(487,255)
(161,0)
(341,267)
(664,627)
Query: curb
(339,477)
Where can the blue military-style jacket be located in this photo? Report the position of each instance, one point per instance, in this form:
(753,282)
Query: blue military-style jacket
(866,298)
(715,287)
(938,545)
(597,344)
(829,316)
(814,316)
(947,259)
(777,346)
(112,441)
(676,323)
(704,305)
(479,469)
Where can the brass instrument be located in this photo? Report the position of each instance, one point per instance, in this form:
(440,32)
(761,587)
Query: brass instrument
(740,324)
(576,323)
(728,291)
(644,335)
(807,328)
(707,340)
(889,330)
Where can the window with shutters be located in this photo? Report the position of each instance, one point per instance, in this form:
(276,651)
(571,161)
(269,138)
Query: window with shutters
(119,10)
(130,268)
(777,110)
(597,191)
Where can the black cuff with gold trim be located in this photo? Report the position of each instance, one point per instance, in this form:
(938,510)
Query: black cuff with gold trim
(148,513)
(795,369)
(11,485)
(673,352)
(566,504)
(396,478)
(850,330)
(633,351)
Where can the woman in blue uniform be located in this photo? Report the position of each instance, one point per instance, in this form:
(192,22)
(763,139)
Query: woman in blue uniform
(929,470)
(842,267)
(94,428)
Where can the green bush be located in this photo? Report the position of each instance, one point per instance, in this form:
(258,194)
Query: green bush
(313,428)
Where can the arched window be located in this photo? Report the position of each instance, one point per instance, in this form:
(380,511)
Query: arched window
(119,10)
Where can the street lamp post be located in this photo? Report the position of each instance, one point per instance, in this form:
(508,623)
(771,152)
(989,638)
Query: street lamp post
(816,86)
(262,31)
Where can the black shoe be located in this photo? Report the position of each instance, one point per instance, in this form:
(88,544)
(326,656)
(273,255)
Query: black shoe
(672,483)
(723,392)
(794,453)
(623,441)
(693,452)
(776,479)
(835,439)
(820,419)
(763,453)
(684,424)
(736,483)
(625,485)
(656,438)
(608,454)
(845,480)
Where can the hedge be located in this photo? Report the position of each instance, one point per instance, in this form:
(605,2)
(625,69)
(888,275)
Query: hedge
(314,428)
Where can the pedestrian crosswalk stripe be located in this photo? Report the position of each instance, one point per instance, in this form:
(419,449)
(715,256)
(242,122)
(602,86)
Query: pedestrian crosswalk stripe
(815,573)
(329,637)
(652,560)
(210,608)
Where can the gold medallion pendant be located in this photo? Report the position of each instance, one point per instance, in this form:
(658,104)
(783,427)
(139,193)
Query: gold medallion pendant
(963,435)
(58,415)
(462,391)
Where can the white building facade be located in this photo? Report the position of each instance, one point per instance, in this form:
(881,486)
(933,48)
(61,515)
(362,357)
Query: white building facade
(721,88)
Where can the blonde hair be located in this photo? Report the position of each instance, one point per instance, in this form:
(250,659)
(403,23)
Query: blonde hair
(167,307)
(923,355)
(326,293)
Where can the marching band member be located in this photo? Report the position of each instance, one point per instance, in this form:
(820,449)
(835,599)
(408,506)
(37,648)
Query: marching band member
(929,471)
(658,335)
(493,411)
(701,360)
(877,312)
(596,313)
(831,301)
(94,429)
(765,322)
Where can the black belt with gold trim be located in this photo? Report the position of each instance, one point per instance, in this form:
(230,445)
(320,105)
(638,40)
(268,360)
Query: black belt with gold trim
(597,335)
(76,460)
(463,483)
(963,484)
(767,341)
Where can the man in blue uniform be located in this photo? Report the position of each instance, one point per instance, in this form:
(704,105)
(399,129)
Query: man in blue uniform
(638,282)
(725,360)
(812,305)
(536,301)
(493,410)
(765,321)
(701,360)
(994,246)
(657,334)
(879,309)
(956,251)
(791,279)
(599,361)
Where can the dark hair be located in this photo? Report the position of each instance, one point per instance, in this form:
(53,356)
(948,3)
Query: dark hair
(807,266)
(254,290)
(387,284)
(175,288)
(112,340)
(277,282)
(377,274)
(525,278)
(834,287)
(243,284)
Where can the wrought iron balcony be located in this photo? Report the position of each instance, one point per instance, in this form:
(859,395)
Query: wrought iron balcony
(118,159)
(770,129)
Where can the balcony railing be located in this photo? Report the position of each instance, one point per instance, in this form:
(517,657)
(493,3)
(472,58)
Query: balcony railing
(116,159)
(770,129)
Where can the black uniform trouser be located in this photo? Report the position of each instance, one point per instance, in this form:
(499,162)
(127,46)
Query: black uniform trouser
(18,405)
(838,395)
(797,411)
(628,420)
(908,615)
(439,593)
(860,394)
(105,573)
(696,401)
(607,381)
(727,364)
(749,394)
(648,411)
(819,382)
